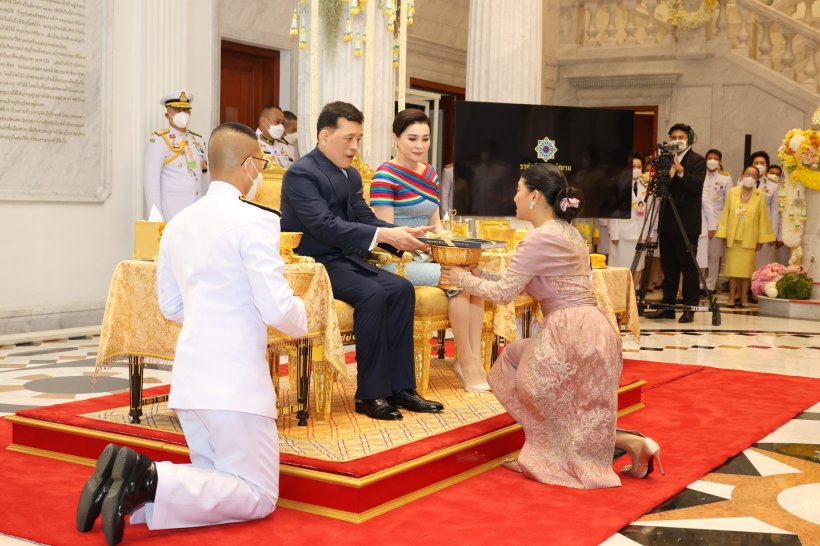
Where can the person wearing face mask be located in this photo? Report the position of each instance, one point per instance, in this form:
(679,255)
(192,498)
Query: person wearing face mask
(716,187)
(175,171)
(686,191)
(271,133)
(783,253)
(291,135)
(219,273)
(624,234)
(744,224)
(769,188)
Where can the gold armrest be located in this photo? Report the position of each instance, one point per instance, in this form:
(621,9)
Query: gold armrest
(381,258)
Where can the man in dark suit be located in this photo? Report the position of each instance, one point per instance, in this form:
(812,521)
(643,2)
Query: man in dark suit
(322,197)
(686,188)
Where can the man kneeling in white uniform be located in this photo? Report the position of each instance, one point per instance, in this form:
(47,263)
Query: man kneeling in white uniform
(219,273)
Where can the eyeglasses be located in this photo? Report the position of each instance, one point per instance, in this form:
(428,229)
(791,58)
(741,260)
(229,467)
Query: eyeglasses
(265,162)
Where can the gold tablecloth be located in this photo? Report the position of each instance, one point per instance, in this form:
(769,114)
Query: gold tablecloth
(613,287)
(134,326)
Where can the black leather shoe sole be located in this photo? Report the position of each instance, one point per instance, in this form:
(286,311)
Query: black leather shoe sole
(661,315)
(95,489)
(686,318)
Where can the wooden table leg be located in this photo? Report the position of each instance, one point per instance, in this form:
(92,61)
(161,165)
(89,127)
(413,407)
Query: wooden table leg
(135,368)
(441,338)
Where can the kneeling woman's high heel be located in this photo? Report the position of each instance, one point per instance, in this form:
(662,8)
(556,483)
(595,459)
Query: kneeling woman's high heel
(481,387)
(643,456)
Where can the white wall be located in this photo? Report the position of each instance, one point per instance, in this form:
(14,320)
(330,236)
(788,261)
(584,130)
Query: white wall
(437,42)
(57,258)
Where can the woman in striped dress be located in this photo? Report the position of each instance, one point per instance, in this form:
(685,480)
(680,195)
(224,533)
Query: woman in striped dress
(405,192)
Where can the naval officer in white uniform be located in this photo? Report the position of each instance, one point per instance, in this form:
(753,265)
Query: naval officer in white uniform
(271,132)
(770,188)
(624,233)
(716,188)
(219,273)
(176,165)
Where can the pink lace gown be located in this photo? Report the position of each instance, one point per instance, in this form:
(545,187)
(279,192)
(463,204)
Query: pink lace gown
(561,385)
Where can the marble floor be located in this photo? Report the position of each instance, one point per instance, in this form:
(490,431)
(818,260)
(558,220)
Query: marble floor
(739,503)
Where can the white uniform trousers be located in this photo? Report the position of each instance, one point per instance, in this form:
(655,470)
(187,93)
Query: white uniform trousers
(715,254)
(233,475)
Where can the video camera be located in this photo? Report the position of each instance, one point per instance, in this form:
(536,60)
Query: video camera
(662,162)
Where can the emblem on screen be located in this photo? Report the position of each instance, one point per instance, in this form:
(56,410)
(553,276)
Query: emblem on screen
(546,149)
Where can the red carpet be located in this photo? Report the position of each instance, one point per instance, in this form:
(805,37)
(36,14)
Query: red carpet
(700,419)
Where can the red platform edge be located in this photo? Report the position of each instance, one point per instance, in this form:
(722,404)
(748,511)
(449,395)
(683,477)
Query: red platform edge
(354,491)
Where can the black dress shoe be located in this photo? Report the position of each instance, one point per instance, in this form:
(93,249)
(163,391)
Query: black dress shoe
(95,489)
(410,399)
(134,483)
(687,316)
(378,408)
(663,314)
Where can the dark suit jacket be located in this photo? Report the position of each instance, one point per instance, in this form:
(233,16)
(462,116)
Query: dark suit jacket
(686,192)
(328,207)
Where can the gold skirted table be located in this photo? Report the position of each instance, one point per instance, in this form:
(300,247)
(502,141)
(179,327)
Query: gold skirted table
(135,331)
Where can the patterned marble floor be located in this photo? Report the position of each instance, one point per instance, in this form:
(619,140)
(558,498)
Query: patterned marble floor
(749,500)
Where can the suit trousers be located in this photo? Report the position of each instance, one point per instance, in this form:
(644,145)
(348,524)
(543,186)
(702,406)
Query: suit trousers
(383,305)
(715,254)
(233,475)
(675,260)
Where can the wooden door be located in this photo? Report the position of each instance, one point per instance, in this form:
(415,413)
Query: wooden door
(645,132)
(249,81)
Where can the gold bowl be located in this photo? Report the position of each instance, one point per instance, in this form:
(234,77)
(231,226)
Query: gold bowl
(454,255)
(505,234)
(299,282)
(288,241)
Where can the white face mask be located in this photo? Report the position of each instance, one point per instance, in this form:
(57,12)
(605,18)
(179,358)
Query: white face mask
(276,131)
(712,164)
(636,173)
(291,138)
(773,177)
(748,182)
(254,182)
(180,119)
(761,168)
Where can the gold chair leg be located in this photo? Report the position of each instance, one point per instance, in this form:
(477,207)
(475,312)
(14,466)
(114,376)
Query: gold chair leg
(324,375)
(421,356)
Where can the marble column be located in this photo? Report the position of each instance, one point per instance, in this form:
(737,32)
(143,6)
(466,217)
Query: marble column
(175,46)
(341,76)
(505,51)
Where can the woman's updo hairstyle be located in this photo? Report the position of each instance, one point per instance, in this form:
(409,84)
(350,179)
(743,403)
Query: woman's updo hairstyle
(408,117)
(564,199)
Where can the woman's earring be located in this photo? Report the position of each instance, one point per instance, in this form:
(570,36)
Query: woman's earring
(532,204)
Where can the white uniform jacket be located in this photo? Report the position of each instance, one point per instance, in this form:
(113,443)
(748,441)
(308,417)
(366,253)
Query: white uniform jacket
(175,172)
(219,273)
(770,190)
(716,187)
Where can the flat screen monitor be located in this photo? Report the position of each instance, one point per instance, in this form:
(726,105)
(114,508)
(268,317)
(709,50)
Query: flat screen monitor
(496,142)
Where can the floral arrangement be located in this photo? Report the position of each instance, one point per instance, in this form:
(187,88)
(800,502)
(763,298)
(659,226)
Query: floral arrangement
(800,156)
(794,286)
(766,280)
(680,17)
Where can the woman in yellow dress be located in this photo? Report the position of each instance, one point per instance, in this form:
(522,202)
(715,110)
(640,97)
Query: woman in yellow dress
(746,226)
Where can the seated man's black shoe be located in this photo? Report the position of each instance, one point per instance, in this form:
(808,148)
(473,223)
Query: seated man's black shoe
(95,489)
(687,316)
(134,483)
(662,314)
(378,408)
(410,399)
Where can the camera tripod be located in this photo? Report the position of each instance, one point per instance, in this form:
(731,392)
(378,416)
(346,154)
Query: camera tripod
(660,200)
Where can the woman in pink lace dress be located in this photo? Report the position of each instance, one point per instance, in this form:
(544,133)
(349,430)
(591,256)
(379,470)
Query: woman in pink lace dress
(561,384)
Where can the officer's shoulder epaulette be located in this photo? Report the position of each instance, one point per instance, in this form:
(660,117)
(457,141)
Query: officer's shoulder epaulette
(160,132)
(448,166)
(282,140)
(724,173)
(263,207)
(266,138)
(194,133)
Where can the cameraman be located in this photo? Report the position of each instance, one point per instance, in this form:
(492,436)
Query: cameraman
(685,191)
